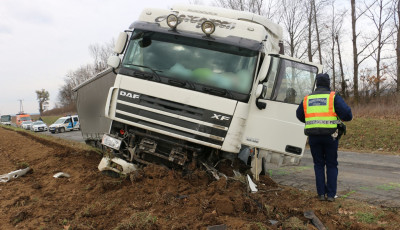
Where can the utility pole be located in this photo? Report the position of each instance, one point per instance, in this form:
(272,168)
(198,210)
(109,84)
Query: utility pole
(21,106)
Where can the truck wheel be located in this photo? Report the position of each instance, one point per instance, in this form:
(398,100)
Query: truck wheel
(62,129)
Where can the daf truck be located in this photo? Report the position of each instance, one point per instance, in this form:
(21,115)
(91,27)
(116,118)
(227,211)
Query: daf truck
(199,82)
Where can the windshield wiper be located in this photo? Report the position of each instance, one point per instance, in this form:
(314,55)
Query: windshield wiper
(180,83)
(217,92)
(144,75)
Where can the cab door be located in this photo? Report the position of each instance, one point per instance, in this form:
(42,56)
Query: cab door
(275,128)
(68,123)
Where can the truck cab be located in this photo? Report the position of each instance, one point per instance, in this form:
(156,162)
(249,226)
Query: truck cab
(21,117)
(203,82)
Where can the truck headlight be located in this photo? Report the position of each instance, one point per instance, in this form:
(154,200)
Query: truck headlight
(172,21)
(208,27)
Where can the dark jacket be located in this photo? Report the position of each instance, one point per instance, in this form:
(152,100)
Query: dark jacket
(341,108)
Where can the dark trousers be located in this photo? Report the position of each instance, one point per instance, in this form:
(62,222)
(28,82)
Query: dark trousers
(324,153)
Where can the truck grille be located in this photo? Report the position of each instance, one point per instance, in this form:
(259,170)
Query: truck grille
(196,124)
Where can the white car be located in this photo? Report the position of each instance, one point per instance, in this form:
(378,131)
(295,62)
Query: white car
(26,125)
(38,126)
(63,124)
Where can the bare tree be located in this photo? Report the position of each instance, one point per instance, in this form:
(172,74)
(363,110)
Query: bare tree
(195,2)
(267,8)
(309,10)
(317,6)
(343,81)
(335,26)
(397,25)
(100,54)
(355,16)
(42,97)
(66,95)
(380,14)
(292,17)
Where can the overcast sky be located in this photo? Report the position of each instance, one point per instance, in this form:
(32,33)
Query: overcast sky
(42,40)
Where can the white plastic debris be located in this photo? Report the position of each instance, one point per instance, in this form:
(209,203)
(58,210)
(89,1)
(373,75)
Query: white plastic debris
(61,174)
(14,174)
(252,185)
(110,163)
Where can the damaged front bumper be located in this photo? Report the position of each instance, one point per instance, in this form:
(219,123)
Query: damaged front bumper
(117,165)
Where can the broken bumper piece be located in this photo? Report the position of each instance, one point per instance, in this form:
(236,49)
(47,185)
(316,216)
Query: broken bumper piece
(14,174)
(117,165)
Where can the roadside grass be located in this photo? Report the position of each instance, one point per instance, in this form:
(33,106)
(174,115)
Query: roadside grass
(368,214)
(376,135)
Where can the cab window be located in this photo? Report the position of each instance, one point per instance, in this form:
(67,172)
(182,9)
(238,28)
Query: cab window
(67,121)
(289,81)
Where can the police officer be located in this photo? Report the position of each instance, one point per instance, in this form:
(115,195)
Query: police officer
(321,112)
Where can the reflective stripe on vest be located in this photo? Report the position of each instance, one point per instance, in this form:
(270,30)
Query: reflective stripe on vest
(320,116)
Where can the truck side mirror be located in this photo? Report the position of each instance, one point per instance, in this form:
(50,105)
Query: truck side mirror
(261,91)
(114,61)
(121,43)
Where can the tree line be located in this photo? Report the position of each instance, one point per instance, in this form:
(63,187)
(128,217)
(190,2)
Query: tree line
(323,31)
(357,42)
(100,54)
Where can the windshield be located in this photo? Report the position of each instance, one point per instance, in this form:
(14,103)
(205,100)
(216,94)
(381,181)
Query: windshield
(59,121)
(38,123)
(191,63)
(25,118)
(26,122)
(5,118)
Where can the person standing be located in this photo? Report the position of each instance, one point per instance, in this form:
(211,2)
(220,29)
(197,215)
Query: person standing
(322,111)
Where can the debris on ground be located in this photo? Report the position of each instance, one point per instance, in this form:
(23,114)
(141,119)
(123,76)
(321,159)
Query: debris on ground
(251,184)
(314,219)
(14,174)
(61,175)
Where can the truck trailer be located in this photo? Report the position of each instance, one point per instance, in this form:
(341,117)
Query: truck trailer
(199,83)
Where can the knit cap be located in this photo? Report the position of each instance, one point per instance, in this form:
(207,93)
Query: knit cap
(323,80)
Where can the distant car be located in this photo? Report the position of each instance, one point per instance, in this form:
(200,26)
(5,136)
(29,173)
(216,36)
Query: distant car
(26,125)
(38,126)
(67,123)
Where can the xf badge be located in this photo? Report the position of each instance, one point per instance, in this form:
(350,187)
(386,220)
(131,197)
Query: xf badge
(220,117)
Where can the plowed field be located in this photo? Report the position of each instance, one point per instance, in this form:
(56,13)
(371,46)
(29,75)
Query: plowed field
(154,197)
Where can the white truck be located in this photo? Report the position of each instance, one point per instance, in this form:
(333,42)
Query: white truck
(204,82)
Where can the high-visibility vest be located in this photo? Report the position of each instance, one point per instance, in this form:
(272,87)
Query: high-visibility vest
(319,111)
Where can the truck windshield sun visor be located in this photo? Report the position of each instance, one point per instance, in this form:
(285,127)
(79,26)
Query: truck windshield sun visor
(230,40)
(201,65)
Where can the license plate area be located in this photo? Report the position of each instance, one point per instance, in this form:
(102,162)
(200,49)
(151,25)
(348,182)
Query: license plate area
(111,142)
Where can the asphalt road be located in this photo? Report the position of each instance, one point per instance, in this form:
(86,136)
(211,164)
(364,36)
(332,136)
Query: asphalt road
(69,135)
(374,178)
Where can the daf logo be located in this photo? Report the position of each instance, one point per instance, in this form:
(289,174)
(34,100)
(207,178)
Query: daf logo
(131,95)
(220,117)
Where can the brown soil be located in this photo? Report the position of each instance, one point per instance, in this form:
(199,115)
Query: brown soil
(154,197)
